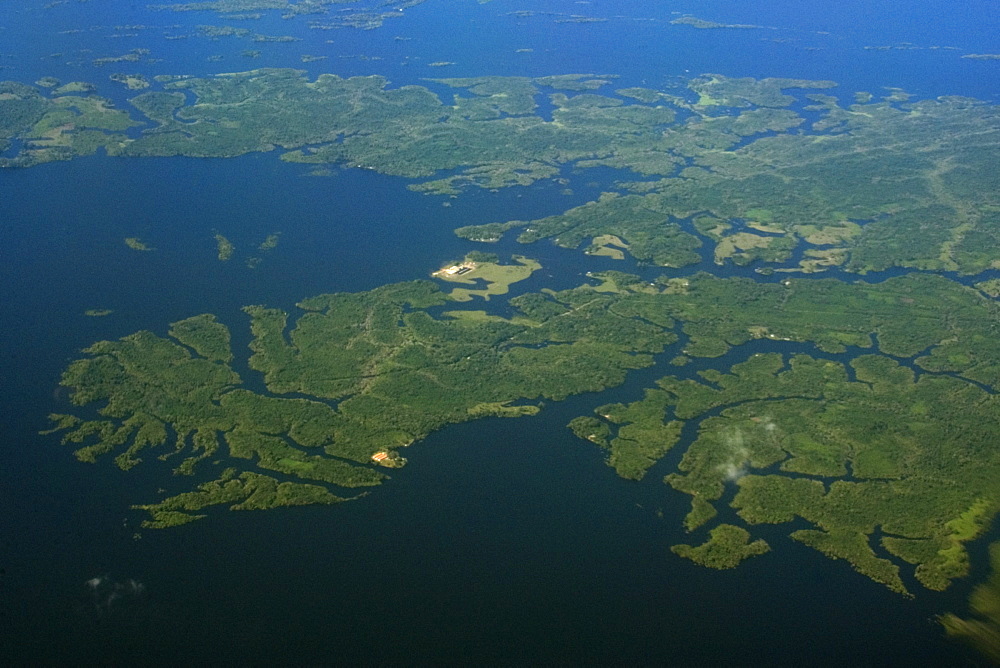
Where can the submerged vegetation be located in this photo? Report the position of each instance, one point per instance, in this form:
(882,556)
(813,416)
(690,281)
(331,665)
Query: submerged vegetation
(225,247)
(135,243)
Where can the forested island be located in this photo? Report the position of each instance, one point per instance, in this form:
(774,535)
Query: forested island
(901,448)
(764,168)
(884,450)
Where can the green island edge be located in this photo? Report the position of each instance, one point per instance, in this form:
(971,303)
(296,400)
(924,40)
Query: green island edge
(757,180)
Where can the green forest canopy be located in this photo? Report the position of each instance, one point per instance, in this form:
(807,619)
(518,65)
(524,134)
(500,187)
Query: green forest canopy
(874,447)
(762,178)
(891,447)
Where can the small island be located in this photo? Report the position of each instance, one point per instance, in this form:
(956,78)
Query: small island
(131,81)
(726,548)
(484,267)
(135,243)
(224,246)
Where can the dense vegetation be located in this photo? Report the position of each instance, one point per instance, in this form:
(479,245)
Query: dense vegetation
(887,457)
(726,547)
(911,450)
(396,373)
(864,187)
(873,448)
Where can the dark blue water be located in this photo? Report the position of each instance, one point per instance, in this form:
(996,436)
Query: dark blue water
(503,541)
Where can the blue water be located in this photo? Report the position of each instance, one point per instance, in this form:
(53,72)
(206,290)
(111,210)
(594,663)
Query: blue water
(503,541)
